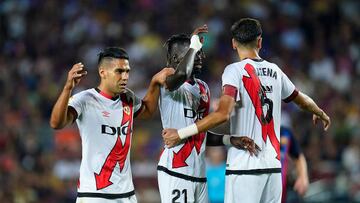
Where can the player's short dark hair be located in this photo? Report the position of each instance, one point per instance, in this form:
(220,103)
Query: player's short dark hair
(113,52)
(178,38)
(246,30)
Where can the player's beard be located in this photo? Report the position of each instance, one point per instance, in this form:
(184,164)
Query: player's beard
(196,71)
(119,89)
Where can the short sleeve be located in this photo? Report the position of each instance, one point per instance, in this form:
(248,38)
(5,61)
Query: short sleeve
(230,77)
(288,90)
(137,105)
(77,102)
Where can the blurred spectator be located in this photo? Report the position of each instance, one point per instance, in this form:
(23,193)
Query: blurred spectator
(215,173)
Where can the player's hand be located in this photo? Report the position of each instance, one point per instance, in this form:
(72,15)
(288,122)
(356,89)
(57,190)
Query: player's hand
(301,185)
(324,118)
(171,137)
(245,143)
(197,41)
(160,77)
(76,73)
(199,30)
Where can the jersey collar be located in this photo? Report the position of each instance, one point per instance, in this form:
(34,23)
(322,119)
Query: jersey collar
(256,60)
(104,94)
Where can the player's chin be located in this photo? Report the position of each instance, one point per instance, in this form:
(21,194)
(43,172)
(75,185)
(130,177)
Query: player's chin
(121,88)
(196,69)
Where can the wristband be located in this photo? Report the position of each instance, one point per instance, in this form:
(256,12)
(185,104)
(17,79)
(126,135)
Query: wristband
(195,43)
(188,131)
(226,140)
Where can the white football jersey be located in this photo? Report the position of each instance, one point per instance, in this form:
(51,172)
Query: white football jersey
(179,109)
(106,126)
(261,87)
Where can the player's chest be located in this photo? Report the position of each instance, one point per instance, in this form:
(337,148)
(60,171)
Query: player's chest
(193,96)
(115,113)
(107,123)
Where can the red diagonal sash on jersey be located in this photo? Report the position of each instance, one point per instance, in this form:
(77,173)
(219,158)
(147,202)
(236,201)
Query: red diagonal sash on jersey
(196,140)
(119,152)
(253,87)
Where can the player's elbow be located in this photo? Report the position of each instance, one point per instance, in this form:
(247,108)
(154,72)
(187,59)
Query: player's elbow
(174,81)
(55,124)
(222,117)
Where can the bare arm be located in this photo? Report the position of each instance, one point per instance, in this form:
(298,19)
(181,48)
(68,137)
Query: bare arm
(306,103)
(171,136)
(185,67)
(242,142)
(222,114)
(183,71)
(302,181)
(61,115)
(152,95)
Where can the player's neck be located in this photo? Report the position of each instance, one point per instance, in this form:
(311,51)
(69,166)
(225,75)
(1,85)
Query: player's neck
(248,53)
(191,80)
(105,91)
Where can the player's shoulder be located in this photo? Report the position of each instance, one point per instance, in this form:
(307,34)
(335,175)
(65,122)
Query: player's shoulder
(235,65)
(199,81)
(272,64)
(84,93)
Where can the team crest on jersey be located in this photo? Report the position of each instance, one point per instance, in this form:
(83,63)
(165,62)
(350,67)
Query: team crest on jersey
(127,110)
(204,97)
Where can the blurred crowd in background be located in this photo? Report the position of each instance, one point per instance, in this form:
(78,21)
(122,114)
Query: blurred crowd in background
(316,43)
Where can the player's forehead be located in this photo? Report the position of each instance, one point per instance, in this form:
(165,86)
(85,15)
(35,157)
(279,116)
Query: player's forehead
(180,48)
(119,64)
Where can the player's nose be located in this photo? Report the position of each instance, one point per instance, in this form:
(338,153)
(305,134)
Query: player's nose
(125,76)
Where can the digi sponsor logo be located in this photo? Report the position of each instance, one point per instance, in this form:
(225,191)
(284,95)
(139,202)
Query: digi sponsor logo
(110,130)
(190,113)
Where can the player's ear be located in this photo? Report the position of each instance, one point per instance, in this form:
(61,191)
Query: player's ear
(102,72)
(233,42)
(259,42)
(174,60)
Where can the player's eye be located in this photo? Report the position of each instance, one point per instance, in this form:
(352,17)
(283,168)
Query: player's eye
(120,71)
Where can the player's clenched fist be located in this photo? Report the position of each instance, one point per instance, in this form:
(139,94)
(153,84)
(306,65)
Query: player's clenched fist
(76,73)
(199,30)
(196,42)
(171,137)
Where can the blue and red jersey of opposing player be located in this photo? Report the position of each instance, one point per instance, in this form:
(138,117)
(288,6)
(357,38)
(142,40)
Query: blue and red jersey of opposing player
(288,147)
